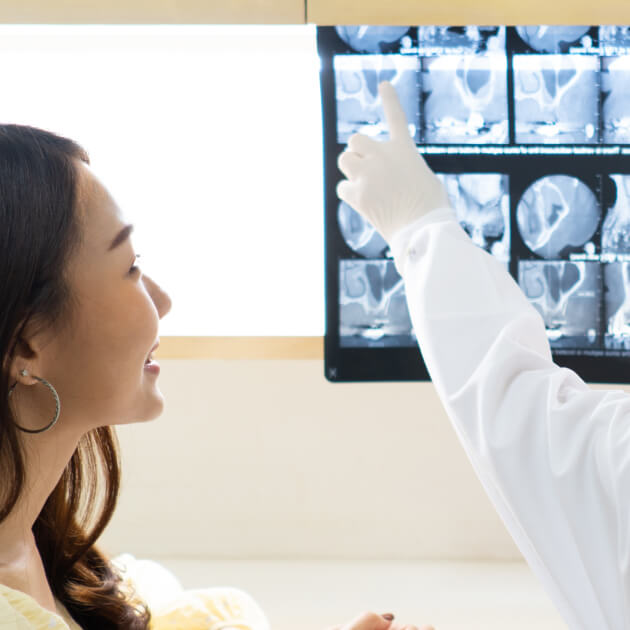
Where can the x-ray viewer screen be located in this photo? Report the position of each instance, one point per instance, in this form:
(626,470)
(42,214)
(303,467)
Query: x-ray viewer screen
(528,128)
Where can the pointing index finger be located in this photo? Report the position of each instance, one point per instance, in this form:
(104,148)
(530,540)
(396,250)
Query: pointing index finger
(394,113)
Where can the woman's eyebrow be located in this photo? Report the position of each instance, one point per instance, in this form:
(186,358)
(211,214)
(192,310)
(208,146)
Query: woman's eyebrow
(121,237)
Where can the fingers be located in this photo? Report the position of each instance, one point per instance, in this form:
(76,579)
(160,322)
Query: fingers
(410,627)
(349,164)
(362,145)
(394,114)
(369,621)
(372,621)
(348,192)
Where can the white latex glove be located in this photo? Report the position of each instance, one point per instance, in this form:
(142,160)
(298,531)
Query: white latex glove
(389,183)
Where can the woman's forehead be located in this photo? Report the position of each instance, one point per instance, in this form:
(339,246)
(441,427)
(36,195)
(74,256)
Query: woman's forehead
(100,216)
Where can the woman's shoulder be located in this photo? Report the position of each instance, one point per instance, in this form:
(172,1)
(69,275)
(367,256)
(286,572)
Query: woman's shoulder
(19,611)
(173,607)
(210,607)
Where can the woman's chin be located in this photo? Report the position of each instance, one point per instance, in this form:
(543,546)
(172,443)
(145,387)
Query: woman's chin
(151,410)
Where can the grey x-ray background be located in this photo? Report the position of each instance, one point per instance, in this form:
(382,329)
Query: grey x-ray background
(372,304)
(465,99)
(556,99)
(453,84)
(615,84)
(482,205)
(616,228)
(557,213)
(358,103)
(567,90)
(568,296)
(617,287)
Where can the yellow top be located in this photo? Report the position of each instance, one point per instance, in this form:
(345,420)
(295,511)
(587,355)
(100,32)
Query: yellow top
(201,609)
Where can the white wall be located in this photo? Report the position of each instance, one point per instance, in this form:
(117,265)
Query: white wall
(266,459)
(209,138)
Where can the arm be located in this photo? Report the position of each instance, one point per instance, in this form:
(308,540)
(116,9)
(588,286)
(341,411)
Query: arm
(553,455)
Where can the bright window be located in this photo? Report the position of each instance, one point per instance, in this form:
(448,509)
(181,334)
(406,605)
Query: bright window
(209,138)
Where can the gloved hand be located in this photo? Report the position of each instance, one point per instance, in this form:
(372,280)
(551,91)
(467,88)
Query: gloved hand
(389,183)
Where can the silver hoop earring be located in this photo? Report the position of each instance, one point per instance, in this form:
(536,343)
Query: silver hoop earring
(51,424)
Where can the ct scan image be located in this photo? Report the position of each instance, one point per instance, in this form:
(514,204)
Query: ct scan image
(568,295)
(356,87)
(482,205)
(465,99)
(555,39)
(372,306)
(618,36)
(616,226)
(375,39)
(615,84)
(469,39)
(558,214)
(556,99)
(359,234)
(617,304)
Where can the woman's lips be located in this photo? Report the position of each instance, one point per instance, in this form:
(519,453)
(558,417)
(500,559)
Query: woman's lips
(152,366)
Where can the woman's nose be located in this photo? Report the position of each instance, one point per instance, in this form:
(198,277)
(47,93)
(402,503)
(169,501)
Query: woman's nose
(166,303)
(161,298)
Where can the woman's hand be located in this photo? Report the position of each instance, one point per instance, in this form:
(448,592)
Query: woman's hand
(389,183)
(372,621)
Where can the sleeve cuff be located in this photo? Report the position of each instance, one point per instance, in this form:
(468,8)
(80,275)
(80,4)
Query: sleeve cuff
(403,238)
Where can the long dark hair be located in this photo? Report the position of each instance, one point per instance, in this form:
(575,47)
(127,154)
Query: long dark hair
(39,231)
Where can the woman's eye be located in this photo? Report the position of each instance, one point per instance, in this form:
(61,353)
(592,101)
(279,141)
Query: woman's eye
(134,267)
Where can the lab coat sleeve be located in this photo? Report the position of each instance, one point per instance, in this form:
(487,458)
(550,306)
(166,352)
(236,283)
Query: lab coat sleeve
(552,454)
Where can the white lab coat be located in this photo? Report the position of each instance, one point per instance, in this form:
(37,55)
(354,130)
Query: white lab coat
(552,454)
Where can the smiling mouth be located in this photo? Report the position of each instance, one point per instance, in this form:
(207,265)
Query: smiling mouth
(150,357)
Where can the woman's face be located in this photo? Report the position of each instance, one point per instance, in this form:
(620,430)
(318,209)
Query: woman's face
(97,364)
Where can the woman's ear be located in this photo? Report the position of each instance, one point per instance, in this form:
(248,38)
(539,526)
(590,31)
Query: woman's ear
(24,354)
(22,359)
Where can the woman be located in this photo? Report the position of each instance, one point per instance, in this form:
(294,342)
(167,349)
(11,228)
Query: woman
(553,455)
(78,326)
